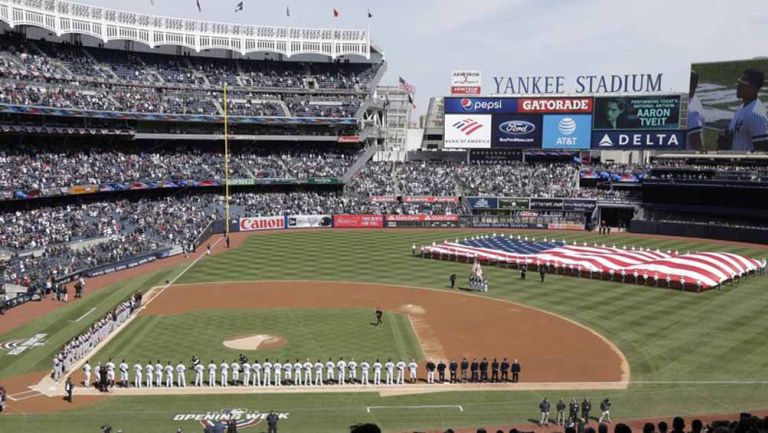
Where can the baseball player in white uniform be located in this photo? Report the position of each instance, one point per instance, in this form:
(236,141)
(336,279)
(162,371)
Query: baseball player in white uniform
(150,370)
(246,373)
(123,374)
(364,366)
(318,373)
(256,367)
(137,376)
(169,375)
(158,374)
(297,375)
(329,368)
(342,366)
(181,375)
(400,372)
(110,373)
(87,374)
(748,129)
(278,368)
(288,369)
(267,367)
(199,374)
(412,366)
(235,366)
(97,371)
(308,373)
(352,365)
(695,133)
(224,369)
(212,374)
(377,373)
(390,366)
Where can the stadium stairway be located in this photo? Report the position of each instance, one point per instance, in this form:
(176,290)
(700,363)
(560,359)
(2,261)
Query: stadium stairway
(360,162)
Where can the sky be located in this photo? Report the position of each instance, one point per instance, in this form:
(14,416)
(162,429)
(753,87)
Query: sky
(425,40)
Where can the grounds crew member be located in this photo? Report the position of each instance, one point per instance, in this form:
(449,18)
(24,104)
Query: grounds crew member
(544,406)
(560,406)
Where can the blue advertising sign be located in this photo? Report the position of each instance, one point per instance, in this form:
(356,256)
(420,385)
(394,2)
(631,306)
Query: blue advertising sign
(566,131)
(483,202)
(480,105)
(518,131)
(638,140)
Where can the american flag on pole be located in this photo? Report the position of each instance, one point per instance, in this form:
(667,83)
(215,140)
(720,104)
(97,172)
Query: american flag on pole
(700,269)
(406,86)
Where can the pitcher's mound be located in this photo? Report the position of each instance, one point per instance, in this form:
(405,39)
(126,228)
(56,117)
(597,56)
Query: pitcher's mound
(255,342)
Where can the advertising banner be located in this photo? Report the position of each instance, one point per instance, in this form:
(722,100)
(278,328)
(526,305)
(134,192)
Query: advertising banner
(262,223)
(516,131)
(638,140)
(495,155)
(364,221)
(513,203)
(480,105)
(483,202)
(465,131)
(547,204)
(566,131)
(421,217)
(430,199)
(637,112)
(466,83)
(554,105)
(383,198)
(565,226)
(579,205)
(83,189)
(348,139)
(305,221)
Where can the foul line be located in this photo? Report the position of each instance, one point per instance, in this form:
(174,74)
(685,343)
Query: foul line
(429,406)
(83,316)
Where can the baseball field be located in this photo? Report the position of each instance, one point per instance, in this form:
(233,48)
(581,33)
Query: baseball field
(655,352)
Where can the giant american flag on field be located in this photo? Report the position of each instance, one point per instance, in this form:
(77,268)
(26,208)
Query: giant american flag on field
(706,269)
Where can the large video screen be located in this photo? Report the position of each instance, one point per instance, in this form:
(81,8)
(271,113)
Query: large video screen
(727,108)
(564,123)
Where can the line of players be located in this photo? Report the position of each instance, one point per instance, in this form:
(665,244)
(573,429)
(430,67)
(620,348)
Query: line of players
(277,374)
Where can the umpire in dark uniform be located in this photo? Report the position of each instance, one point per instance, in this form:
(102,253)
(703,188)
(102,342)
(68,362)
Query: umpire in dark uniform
(464,368)
(453,367)
(495,370)
(505,370)
(516,371)
(473,369)
(484,370)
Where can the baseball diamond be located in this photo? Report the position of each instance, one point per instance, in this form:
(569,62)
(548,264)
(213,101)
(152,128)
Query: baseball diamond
(215,219)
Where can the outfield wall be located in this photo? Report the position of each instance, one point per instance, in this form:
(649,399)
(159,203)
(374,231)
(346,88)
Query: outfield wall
(688,229)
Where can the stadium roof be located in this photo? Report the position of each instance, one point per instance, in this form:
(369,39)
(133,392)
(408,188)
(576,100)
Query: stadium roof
(62,17)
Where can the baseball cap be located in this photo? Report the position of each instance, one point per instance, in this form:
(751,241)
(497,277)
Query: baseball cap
(752,77)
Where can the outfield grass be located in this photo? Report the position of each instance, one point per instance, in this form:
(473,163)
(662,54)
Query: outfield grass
(315,334)
(667,336)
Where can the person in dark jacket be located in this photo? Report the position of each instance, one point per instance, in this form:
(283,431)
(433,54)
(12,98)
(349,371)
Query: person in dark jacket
(453,367)
(560,406)
(272,422)
(516,371)
(522,271)
(541,272)
(544,406)
(464,368)
(441,371)
(586,406)
(68,387)
(495,370)
(573,410)
(473,368)
(452,279)
(505,370)
(605,409)
(231,424)
(484,370)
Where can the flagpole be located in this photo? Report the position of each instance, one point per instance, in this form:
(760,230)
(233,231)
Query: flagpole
(226,162)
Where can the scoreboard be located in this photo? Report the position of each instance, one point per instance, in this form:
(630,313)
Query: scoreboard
(566,123)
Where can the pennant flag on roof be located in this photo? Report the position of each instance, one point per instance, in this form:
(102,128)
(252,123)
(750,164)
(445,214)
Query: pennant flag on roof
(239,7)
